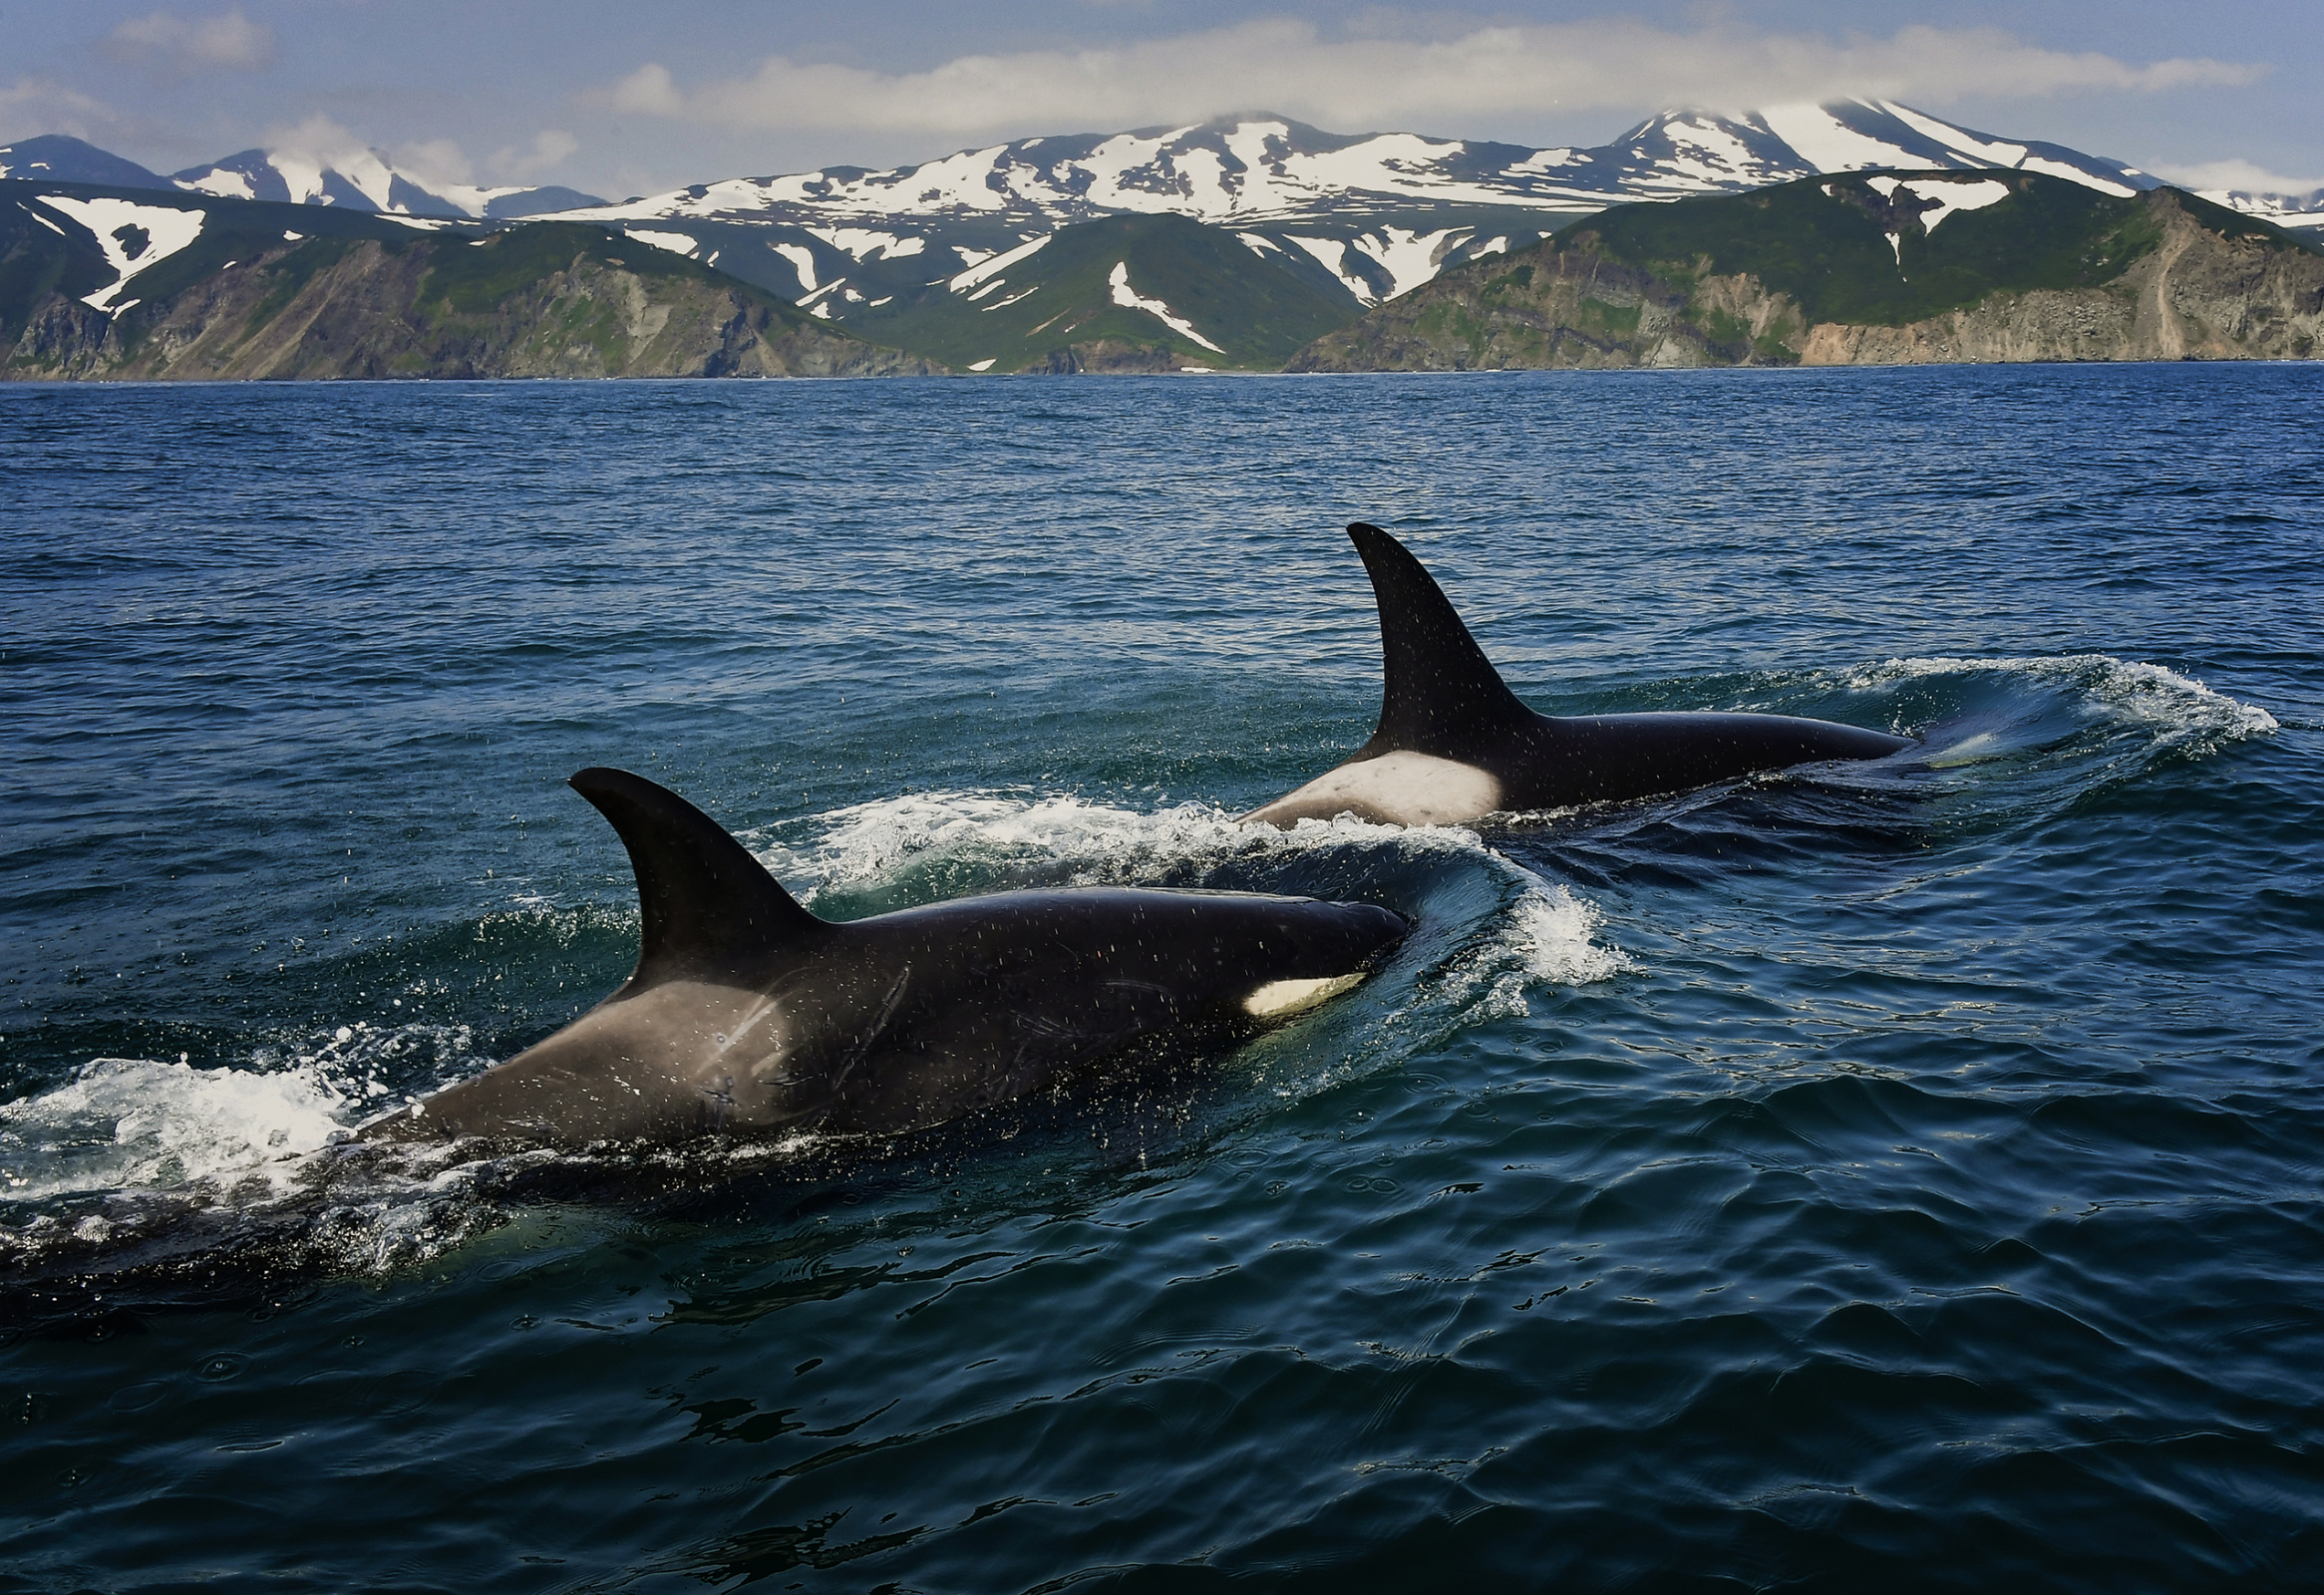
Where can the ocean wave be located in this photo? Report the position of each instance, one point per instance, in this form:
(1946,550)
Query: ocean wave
(1069,839)
(126,1122)
(2181,707)
(143,1123)
(1550,936)
(246,1136)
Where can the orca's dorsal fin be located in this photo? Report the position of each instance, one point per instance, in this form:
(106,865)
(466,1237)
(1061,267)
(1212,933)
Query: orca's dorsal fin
(1442,697)
(702,899)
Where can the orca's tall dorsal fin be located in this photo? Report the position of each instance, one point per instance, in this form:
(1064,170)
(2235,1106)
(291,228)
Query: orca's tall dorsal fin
(1443,697)
(701,897)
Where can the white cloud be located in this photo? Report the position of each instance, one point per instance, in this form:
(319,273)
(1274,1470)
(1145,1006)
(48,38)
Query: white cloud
(433,161)
(1368,84)
(194,44)
(549,150)
(2237,176)
(33,105)
(318,141)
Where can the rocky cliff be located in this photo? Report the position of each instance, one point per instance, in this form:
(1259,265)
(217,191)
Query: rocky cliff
(541,300)
(1868,269)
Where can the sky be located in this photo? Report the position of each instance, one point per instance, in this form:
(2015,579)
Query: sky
(631,99)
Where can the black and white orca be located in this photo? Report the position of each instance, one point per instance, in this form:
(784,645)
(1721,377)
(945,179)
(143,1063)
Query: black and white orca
(747,1013)
(1455,743)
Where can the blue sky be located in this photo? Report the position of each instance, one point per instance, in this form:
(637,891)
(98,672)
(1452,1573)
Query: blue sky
(630,99)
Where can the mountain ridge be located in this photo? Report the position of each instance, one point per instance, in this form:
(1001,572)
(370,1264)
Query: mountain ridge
(1866,268)
(226,290)
(1234,244)
(375,185)
(1380,211)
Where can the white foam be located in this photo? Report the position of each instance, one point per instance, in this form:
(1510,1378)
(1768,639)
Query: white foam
(133,1122)
(1551,932)
(2152,694)
(1081,843)
(1547,938)
(138,1124)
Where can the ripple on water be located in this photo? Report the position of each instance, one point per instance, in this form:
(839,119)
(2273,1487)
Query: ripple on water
(1897,1174)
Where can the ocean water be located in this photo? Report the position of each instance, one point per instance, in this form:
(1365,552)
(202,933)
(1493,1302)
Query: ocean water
(1904,1177)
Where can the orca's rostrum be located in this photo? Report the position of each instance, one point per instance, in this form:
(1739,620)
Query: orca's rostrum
(747,1013)
(1453,744)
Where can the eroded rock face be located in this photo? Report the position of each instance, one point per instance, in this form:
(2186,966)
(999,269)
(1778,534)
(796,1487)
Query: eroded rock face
(2195,294)
(1110,356)
(2198,296)
(367,311)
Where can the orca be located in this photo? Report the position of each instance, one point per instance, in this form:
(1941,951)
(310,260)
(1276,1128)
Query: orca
(1453,744)
(748,1013)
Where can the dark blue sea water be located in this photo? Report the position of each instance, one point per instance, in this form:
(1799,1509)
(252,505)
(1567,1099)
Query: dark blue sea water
(1907,1177)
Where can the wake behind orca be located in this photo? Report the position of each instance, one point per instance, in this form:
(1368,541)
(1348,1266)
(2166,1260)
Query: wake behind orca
(1453,744)
(748,1013)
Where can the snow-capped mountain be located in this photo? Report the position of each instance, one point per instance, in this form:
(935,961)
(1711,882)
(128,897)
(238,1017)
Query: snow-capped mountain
(1272,169)
(55,157)
(2299,212)
(370,183)
(1372,215)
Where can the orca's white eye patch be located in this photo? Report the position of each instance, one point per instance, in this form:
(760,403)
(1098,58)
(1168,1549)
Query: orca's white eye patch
(1280,997)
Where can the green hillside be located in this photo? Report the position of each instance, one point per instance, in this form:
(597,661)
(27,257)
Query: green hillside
(1825,242)
(1865,267)
(1058,308)
(281,290)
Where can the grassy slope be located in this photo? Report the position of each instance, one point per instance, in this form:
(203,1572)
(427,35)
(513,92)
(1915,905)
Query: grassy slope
(1818,241)
(1823,243)
(467,279)
(1258,312)
(36,262)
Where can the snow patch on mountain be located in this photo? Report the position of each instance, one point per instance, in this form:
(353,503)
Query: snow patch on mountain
(133,238)
(865,243)
(993,265)
(366,181)
(1131,298)
(802,259)
(676,244)
(1261,171)
(1948,194)
(1332,255)
(1409,257)
(225,185)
